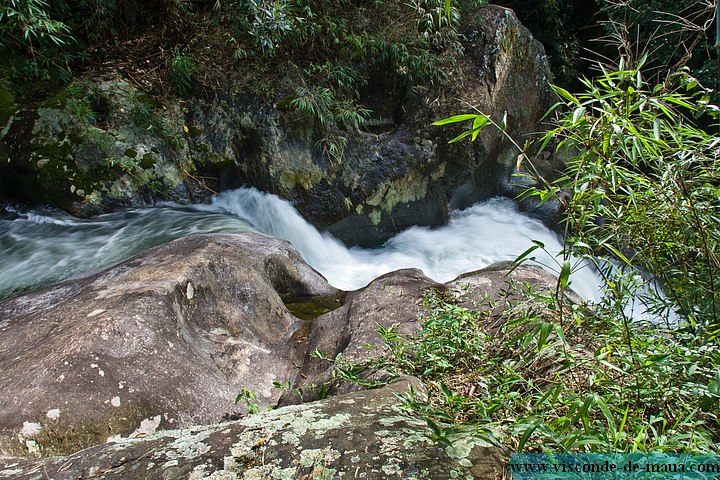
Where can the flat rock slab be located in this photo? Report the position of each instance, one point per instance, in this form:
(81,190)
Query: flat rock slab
(358,435)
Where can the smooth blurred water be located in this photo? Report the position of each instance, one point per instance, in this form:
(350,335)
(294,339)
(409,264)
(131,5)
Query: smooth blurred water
(44,246)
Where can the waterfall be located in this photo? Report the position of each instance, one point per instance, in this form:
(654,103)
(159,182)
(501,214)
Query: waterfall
(474,238)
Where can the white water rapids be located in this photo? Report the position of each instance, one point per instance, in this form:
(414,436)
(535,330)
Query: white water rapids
(40,247)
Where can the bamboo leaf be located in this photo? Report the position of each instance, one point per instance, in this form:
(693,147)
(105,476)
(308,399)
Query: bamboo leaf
(565,274)
(521,258)
(478,125)
(609,417)
(456,118)
(526,435)
(462,135)
(578,114)
(617,253)
(566,95)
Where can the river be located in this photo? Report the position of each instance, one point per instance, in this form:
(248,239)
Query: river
(39,247)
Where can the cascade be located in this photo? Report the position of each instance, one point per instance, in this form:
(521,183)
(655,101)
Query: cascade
(45,246)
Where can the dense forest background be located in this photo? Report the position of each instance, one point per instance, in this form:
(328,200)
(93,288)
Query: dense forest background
(325,43)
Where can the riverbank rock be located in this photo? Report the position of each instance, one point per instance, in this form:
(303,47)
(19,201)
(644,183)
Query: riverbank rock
(103,142)
(98,144)
(168,339)
(504,75)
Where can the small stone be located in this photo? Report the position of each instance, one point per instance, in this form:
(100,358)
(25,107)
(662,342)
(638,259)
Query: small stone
(53,414)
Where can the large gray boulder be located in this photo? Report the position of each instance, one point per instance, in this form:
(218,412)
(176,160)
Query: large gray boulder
(358,435)
(167,339)
(504,73)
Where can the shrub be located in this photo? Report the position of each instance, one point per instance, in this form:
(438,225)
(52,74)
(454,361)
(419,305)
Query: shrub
(180,73)
(328,49)
(643,182)
(524,381)
(332,116)
(27,25)
(640,187)
(31,41)
(670,33)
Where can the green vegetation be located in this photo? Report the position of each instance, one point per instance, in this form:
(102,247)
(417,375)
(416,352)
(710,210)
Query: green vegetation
(669,33)
(328,52)
(641,191)
(332,116)
(43,42)
(641,186)
(180,73)
(529,381)
(32,41)
(311,56)
(249,398)
(644,185)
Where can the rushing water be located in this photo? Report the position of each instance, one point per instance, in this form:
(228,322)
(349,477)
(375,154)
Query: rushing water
(44,246)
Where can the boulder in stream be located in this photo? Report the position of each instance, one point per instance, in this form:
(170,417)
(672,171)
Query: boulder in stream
(165,339)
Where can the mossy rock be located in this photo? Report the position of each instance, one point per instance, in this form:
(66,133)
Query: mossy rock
(61,437)
(96,142)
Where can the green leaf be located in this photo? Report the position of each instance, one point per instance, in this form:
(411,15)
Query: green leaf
(565,274)
(521,258)
(545,329)
(566,95)
(609,417)
(456,118)
(526,434)
(462,135)
(618,254)
(478,124)
(578,114)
